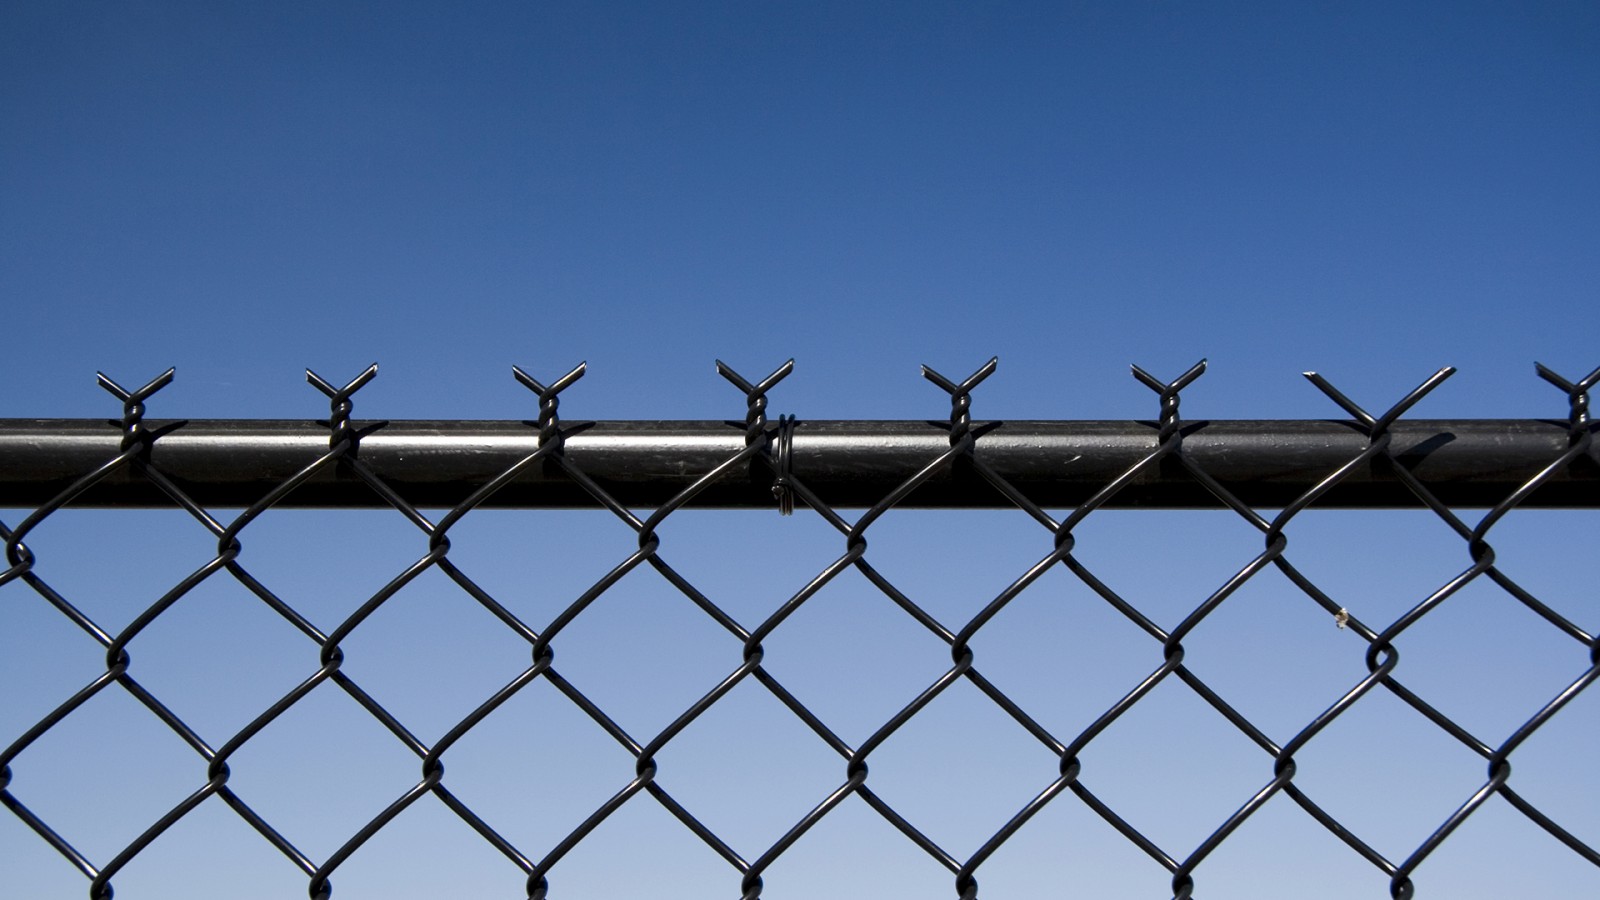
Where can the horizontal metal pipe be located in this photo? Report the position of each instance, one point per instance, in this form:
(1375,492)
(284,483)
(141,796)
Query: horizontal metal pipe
(232,463)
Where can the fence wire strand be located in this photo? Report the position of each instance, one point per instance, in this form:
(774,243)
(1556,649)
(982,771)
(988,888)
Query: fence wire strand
(768,448)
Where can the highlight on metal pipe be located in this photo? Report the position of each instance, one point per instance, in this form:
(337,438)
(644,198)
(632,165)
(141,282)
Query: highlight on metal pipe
(848,464)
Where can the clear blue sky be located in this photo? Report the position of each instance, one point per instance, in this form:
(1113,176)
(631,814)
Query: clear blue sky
(1370,190)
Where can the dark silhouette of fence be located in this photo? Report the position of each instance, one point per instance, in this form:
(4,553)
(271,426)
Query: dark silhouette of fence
(1369,461)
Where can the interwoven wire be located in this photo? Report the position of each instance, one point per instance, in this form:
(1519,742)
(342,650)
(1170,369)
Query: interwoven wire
(766,444)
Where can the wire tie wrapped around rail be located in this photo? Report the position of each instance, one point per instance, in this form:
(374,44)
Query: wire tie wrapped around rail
(755,427)
(133,428)
(550,401)
(1169,396)
(961,396)
(784,462)
(1577,398)
(339,403)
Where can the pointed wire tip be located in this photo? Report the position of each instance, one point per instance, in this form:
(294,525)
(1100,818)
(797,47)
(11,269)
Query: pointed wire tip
(122,393)
(573,375)
(933,375)
(765,384)
(1582,385)
(778,374)
(733,377)
(112,388)
(984,371)
(319,383)
(526,380)
(560,384)
(360,381)
(972,381)
(355,384)
(1550,375)
(1146,379)
(158,382)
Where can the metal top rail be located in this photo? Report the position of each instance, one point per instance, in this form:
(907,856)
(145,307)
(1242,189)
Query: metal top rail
(849,464)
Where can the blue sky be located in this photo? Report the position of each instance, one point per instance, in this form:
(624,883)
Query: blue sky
(243,193)
(1369,190)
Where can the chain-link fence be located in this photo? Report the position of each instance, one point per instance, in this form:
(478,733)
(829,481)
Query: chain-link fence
(1267,479)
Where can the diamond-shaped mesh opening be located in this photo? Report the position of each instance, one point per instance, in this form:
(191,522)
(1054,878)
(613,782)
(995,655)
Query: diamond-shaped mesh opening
(960,769)
(1174,768)
(1486,661)
(749,768)
(431,654)
(644,652)
(105,773)
(321,770)
(854,657)
(536,767)
(1358,780)
(1274,655)
(219,656)
(1062,653)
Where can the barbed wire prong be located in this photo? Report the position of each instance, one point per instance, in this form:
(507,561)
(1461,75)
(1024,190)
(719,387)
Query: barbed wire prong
(549,399)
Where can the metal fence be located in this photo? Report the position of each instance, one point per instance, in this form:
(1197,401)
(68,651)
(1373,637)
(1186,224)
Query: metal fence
(1369,461)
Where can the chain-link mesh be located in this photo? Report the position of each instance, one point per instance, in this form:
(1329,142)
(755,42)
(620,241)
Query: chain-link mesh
(1064,777)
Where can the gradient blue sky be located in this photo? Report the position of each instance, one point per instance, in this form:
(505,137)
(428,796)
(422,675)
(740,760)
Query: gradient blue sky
(241,191)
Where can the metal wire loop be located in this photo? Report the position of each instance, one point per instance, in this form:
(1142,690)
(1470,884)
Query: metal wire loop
(783,464)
